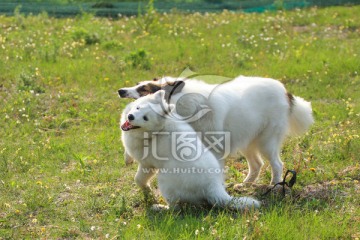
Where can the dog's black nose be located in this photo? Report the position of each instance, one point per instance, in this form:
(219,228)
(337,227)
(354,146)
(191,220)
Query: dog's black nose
(131,117)
(122,92)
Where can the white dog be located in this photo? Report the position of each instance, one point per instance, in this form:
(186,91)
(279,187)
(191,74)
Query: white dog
(180,180)
(258,113)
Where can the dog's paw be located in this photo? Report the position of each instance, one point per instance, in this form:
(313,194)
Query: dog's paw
(244,203)
(241,186)
(159,207)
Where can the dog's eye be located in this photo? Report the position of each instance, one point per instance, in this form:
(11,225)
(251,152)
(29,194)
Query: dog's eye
(145,118)
(138,107)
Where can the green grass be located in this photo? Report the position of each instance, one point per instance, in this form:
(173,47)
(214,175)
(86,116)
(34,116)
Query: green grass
(62,174)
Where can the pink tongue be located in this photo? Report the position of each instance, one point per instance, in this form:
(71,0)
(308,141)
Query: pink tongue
(126,126)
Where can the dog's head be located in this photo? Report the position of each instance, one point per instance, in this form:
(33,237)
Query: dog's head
(170,85)
(147,113)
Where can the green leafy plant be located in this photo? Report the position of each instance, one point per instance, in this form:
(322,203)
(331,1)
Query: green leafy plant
(29,82)
(139,59)
(81,34)
(146,21)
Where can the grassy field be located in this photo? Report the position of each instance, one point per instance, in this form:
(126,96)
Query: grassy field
(62,174)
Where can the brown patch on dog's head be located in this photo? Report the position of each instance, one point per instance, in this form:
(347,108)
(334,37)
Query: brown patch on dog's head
(142,90)
(152,87)
(149,88)
(170,88)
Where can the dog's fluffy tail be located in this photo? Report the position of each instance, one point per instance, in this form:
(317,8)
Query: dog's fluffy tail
(301,116)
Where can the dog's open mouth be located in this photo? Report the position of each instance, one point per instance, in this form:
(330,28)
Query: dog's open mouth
(128,126)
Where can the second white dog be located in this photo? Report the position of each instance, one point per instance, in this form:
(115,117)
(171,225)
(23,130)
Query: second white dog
(180,181)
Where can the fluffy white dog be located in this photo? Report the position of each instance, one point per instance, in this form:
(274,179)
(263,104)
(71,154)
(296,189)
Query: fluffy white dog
(258,113)
(183,177)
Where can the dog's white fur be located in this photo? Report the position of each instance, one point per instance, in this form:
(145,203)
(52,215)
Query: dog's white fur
(256,111)
(176,186)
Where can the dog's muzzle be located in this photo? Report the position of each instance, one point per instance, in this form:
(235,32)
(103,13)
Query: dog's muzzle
(126,126)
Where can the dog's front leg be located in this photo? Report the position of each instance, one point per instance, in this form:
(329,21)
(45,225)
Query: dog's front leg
(142,178)
(128,159)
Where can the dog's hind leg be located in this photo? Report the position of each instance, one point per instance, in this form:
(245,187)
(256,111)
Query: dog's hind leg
(270,149)
(276,166)
(255,164)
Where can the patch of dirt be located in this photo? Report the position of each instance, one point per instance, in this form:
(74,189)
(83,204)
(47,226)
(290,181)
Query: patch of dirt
(325,191)
(352,172)
(330,190)
(70,193)
(301,29)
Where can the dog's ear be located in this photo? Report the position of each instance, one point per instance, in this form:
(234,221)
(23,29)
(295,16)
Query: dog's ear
(172,89)
(161,105)
(159,96)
